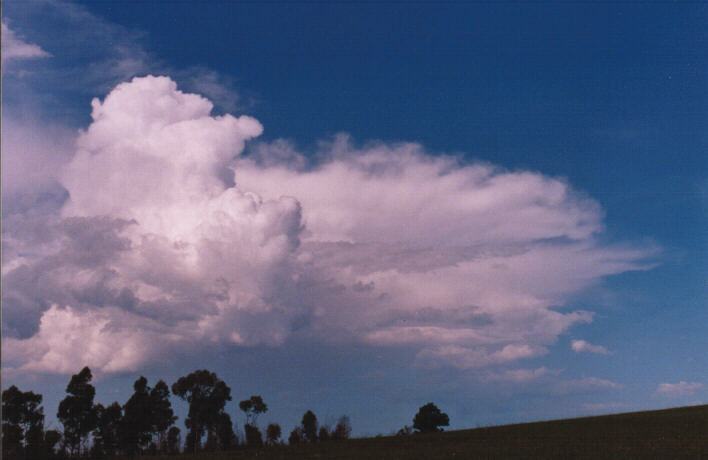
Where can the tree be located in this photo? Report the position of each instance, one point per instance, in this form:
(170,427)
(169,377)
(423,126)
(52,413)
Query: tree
(429,418)
(225,435)
(135,428)
(296,436)
(324,433)
(105,437)
(254,438)
(253,407)
(23,424)
(161,414)
(309,426)
(343,429)
(51,439)
(77,412)
(207,396)
(174,440)
(273,433)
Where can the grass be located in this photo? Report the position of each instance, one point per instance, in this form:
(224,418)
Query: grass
(670,434)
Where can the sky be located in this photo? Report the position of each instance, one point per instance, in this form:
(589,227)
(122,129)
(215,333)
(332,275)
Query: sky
(359,207)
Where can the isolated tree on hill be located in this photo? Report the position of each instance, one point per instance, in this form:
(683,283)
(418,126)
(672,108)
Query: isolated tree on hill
(309,426)
(22,423)
(76,411)
(105,436)
(273,433)
(207,395)
(429,418)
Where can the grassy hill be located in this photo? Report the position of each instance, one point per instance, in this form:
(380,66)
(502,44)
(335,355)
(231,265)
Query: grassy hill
(670,434)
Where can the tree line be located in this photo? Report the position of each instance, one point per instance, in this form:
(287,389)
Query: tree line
(145,424)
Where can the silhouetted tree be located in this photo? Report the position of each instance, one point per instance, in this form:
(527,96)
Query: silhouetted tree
(323,434)
(174,440)
(105,436)
(296,436)
(429,418)
(52,438)
(161,414)
(76,411)
(135,430)
(254,438)
(309,426)
(343,428)
(22,424)
(253,407)
(207,396)
(225,432)
(273,433)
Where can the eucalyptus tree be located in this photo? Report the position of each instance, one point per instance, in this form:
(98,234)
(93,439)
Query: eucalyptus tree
(77,412)
(207,395)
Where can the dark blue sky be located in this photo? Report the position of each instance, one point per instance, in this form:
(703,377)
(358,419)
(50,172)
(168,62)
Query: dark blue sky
(610,97)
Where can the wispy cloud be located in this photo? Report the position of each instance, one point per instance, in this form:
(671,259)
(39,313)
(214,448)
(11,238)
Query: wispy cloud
(13,47)
(581,346)
(678,389)
(584,385)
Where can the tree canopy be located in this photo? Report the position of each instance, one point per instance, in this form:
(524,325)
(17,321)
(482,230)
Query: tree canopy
(22,423)
(429,418)
(77,412)
(207,395)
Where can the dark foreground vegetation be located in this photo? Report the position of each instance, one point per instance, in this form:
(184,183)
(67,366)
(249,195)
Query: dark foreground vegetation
(144,427)
(680,433)
(145,424)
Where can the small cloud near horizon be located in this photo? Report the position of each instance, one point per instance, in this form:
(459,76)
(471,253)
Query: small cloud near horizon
(678,389)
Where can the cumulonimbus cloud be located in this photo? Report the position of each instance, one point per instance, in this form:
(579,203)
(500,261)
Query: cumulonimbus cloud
(171,236)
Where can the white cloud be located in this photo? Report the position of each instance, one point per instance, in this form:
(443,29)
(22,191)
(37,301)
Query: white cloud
(678,389)
(107,340)
(581,346)
(462,264)
(13,47)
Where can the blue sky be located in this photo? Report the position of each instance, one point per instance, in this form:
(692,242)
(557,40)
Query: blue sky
(497,207)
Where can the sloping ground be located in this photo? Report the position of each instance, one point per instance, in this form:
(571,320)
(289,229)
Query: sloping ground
(670,434)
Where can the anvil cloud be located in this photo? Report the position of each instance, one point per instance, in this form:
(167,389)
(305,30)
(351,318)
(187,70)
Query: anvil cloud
(175,235)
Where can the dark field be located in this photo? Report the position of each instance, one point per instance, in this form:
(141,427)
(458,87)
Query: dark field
(671,433)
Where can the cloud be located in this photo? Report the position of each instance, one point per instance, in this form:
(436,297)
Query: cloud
(584,385)
(581,346)
(678,389)
(604,407)
(15,48)
(169,238)
(519,376)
